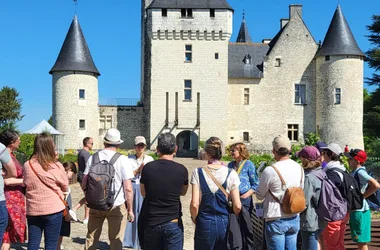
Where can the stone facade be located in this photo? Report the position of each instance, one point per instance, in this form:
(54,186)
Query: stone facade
(69,108)
(129,120)
(186,88)
(169,69)
(340,122)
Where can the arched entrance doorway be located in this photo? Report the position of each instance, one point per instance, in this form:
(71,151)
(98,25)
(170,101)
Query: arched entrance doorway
(187,142)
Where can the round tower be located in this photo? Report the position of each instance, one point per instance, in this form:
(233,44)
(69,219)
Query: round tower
(75,90)
(339,65)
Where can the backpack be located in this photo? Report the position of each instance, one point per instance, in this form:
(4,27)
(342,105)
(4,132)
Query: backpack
(351,190)
(294,200)
(100,185)
(331,205)
(374,199)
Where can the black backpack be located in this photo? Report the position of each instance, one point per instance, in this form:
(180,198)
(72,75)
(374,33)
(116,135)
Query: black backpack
(100,185)
(351,190)
(374,199)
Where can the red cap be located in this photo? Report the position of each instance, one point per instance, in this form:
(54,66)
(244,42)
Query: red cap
(357,154)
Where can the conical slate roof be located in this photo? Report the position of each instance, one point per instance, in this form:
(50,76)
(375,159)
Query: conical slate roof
(191,4)
(339,39)
(243,36)
(74,54)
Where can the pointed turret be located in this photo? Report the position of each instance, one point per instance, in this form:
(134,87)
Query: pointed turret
(243,36)
(74,54)
(339,39)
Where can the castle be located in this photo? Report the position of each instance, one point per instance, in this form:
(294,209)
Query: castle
(196,83)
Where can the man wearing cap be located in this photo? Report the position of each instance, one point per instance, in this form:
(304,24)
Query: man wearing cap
(117,216)
(138,161)
(280,229)
(360,220)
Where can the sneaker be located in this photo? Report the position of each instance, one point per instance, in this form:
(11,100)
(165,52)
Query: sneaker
(73,215)
(85,221)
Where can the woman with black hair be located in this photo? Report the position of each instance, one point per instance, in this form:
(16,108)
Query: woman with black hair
(14,194)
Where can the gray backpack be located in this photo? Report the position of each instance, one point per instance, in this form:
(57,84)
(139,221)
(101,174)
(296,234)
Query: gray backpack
(331,206)
(100,185)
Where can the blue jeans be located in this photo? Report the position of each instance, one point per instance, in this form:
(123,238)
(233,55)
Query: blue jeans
(168,236)
(211,233)
(282,233)
(248,204)
(50,225)
(3,219)
(310,239)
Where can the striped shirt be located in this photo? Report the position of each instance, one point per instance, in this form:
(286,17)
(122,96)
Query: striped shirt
(41,200)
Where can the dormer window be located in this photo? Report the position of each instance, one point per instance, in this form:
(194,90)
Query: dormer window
(327,58)
(164,12)
(247,59)
(212,12)
(186,13)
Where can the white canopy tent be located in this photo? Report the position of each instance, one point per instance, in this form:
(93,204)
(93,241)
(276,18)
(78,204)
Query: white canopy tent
(58,137)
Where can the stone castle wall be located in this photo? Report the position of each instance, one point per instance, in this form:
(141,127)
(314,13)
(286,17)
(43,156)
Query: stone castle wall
(272,99)
(68,108)
(130,121)
(341,123)
(169,70)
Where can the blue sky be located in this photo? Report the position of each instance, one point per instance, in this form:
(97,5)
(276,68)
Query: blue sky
(32,33)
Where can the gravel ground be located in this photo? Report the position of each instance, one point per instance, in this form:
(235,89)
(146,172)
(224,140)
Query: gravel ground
(79,230)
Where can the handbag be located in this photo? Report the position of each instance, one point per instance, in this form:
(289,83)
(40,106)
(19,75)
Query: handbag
(66,213)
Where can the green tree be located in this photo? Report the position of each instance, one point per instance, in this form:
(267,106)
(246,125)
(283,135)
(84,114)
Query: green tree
(10,107)
(371,119)
(373,55)
(50,121)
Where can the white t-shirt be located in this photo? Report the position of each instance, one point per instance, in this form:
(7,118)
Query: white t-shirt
(123,171)
(291,172)
(220,174)
(136,163)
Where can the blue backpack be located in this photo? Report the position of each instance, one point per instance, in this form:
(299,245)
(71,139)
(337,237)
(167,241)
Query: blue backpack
(331,206)
(374,199)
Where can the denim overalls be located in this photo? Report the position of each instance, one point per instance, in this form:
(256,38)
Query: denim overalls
(212,219)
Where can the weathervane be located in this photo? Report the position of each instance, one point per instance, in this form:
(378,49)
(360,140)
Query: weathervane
(75,3)
(243,14)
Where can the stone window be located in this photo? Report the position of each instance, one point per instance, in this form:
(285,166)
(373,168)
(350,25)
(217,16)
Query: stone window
(187,90)
(293,132)
(188,53)
(164,12)
(212,12)
(216,56)
(246,136)
(338,96)
(327,58)
(278,62)
(186,13)
(300,94)
(105,121)
(246,96)
(82,94)
(82,124)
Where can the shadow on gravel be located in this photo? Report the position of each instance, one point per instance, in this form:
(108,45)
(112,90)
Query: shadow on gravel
(101,244)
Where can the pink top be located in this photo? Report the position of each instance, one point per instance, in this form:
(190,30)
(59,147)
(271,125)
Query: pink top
(41,200)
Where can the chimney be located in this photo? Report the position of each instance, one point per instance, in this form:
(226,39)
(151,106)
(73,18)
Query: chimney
(283,22)
(293,8)
(266,40)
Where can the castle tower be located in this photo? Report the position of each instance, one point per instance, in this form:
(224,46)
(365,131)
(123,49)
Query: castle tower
(340,85)
(75,90)
(186,70)
(243,36)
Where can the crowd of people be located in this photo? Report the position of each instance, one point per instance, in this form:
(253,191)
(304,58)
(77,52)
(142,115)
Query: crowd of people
(308,203)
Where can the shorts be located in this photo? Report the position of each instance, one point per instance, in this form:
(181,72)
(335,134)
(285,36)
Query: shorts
(360,226)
